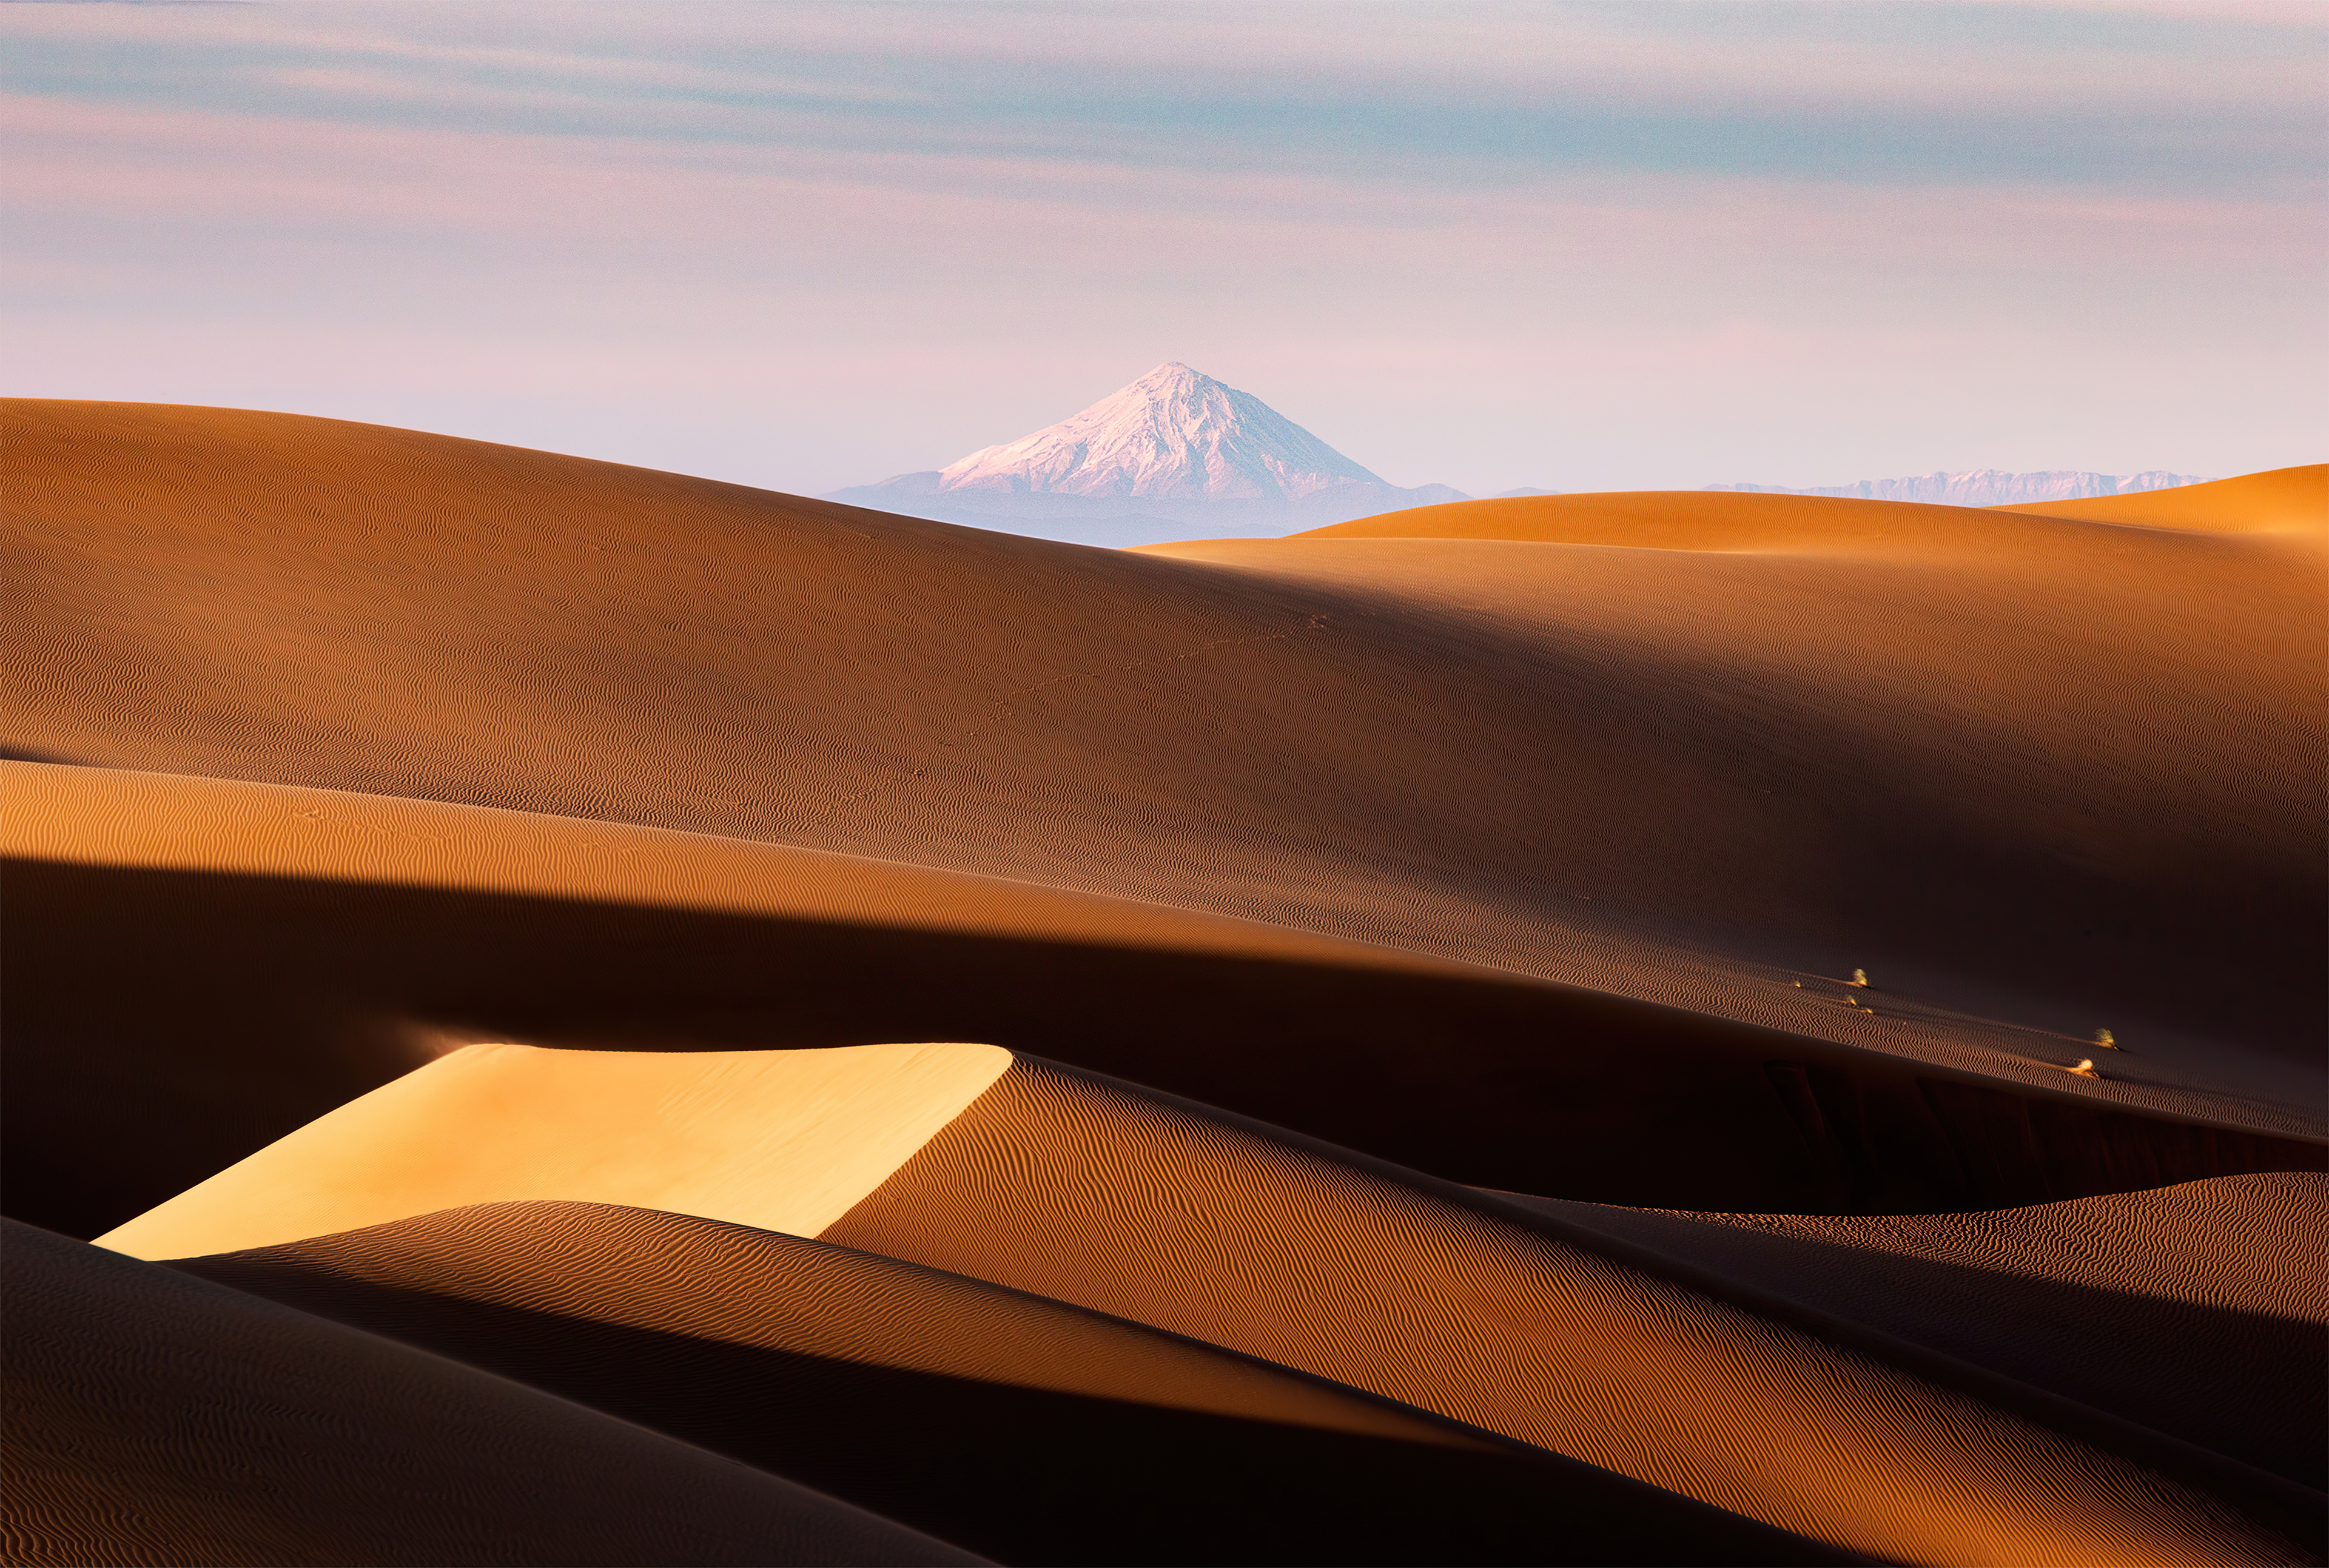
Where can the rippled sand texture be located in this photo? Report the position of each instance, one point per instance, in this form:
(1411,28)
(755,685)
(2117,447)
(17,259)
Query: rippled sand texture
(1080,1190)
(485,930)
(1027,1429)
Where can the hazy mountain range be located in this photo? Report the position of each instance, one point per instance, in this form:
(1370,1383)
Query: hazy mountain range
(1177,454)
(1991,487)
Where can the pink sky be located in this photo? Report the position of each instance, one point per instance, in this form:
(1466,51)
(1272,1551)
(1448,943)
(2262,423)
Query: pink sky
(1479,244)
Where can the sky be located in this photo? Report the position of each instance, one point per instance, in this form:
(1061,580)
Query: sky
(1573,246)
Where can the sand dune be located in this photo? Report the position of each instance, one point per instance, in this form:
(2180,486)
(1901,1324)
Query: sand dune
(2074,689)
(1085,1191)
(1074,1187)
(2283,500)
(1015,1425)
(2200,1310)
(154,1418)
(2030,775)
(478,894)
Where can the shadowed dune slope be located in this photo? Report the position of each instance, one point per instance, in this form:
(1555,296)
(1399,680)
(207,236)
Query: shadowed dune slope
(154,1418)
(1022,1428)
(2042,774)
(2200,1310)
(2103,703)
(299,948)
(2282,501)
(1071,1186)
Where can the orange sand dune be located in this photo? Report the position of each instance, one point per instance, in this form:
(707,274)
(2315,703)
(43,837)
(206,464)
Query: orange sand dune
(2027,771)
(153,1418)
(1098,1193)
(1016,1426)
(2201,1311)
(2065,703)
(397,822)
(1723,521)
(1060,1183)
(2285,500)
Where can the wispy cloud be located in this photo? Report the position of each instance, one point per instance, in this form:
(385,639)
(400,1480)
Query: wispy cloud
(1480,242)
(1892,94)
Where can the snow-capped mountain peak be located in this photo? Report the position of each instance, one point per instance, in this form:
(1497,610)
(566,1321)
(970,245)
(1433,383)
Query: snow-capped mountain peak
(1174,434)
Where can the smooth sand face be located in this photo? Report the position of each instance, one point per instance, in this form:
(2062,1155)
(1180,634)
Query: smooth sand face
(781,1141)
(117,819)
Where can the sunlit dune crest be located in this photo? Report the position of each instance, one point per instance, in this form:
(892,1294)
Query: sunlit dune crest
(784,1141)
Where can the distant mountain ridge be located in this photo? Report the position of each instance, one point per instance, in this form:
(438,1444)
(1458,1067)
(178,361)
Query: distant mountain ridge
(1991,487)
(1172,451)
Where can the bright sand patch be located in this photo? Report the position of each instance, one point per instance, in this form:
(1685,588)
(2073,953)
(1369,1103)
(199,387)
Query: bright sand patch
(780,1141)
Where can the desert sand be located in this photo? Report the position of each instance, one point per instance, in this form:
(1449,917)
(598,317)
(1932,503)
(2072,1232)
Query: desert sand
(1030,1430)
(2132,1302)
(499,918)
(283,1438)
(781,1141)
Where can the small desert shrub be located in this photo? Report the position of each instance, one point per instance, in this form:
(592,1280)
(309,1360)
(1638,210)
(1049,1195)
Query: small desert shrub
(2106,1039)
(1860,977)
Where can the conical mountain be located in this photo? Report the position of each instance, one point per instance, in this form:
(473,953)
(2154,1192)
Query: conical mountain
(1175,454)
(1174,434)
